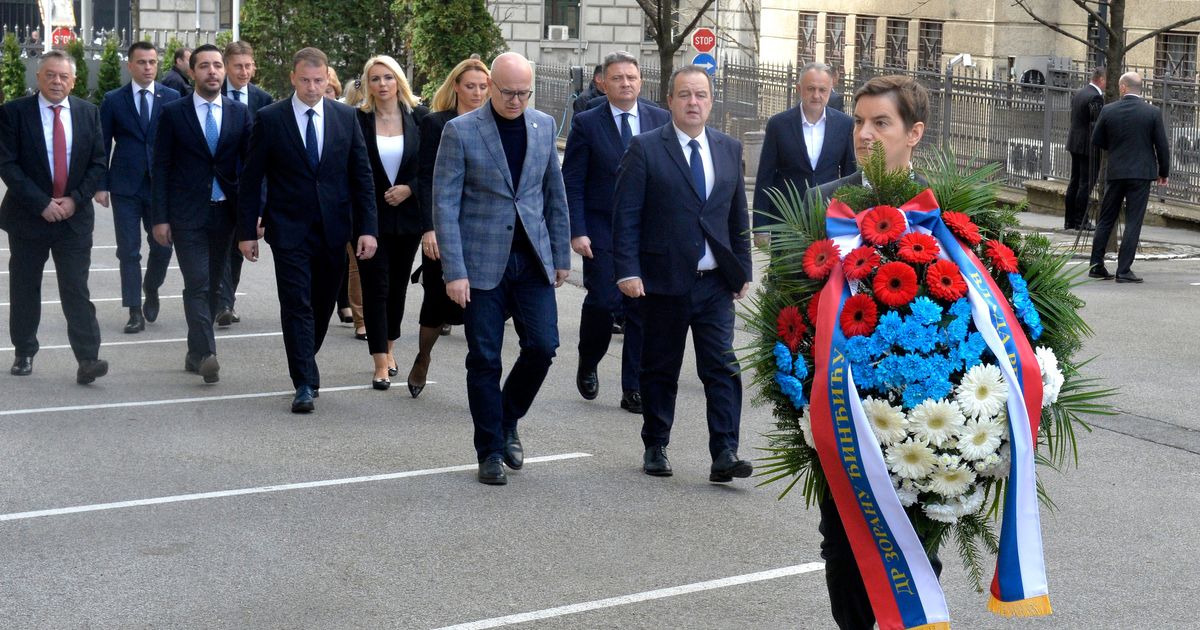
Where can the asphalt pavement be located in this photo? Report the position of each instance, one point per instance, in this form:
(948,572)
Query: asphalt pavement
(150,500)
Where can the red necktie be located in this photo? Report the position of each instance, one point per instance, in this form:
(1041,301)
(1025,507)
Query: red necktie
(60,154)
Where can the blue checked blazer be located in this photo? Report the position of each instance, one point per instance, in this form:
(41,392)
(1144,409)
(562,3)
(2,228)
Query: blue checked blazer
(474,203)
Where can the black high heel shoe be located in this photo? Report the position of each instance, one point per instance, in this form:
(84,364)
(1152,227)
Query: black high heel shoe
(419,371)
(381,384)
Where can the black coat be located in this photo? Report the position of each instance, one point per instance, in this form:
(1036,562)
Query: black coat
(1133,133)
(178,81)
(784,157)
(1085,109)
(431,136)
(258,97)
(406,217)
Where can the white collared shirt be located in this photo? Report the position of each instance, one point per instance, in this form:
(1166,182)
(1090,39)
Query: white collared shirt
(1098,90)
(301,112)
(201,106)
(634,125)
(137,96)
(243,93)
(814,137)
(48,128)
(708,261)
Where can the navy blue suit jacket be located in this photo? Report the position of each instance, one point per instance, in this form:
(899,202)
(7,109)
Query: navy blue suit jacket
(133,157)
(785,156)
(660,224)
(337,197)
(589,168)
(184,168)
(258,98)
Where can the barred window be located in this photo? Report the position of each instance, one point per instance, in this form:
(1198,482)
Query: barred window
(1175,56)
(225,14)
(806,39)
(562,13)
(864,40)
(895,54)
(929,46)
(835,41)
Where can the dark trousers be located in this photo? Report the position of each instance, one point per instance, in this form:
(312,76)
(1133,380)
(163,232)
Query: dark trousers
(848,600)
(230,277)
(131,221)
(603,303)
(708,311)
(307,277)
(72,257)
(528,296)
(384,280)
(1135,193)
(1084,169)
(203,255)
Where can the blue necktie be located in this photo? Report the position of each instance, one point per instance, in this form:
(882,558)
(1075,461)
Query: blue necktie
(212,134)
(237,95)
(626,130)
(310,140)
(697,163)
(145,113)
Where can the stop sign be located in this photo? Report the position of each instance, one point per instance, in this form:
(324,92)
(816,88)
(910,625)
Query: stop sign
(61,36)
(704,40)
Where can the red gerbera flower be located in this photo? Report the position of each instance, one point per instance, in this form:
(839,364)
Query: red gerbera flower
(1001,255)
(859,263)
(859,316)
(895,284)
(918,248)
(791,327)
(814,306)
(820,259)
(962,226)
(882,225)
(945,281)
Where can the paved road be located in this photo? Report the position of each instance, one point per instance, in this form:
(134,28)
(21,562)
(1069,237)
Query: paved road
(425,546)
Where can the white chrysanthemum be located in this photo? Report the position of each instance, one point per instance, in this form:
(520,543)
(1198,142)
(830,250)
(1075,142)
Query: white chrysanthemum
(887,422)
(906,492)
(950,481)
(999,465)
(987,463)
(911,459)
(806,427)
(1052,376)
(969,504)
(979,438)
(940,512)
(935,422)
(982,392)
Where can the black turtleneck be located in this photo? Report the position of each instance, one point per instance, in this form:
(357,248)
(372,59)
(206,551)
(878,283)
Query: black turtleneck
(513,138)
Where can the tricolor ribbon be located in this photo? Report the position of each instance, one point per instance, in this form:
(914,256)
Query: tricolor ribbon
(899,579)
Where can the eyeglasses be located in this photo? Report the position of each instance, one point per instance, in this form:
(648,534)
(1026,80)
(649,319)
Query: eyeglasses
(521,95)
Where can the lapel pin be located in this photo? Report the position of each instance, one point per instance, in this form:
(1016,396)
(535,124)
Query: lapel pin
(535,125)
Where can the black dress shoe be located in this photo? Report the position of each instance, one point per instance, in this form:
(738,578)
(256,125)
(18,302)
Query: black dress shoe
(136,323)
(381,384)
(588,383)
(514,454)
(90,370)
(209,368)
(191,363)
(491,471)
(655,462)
(224,317)
(234,317)
(150,306)
(631,401)
(1100,273)
(618,328)
(1087,226)
(727,466)
(303,402)
(445,331)
(22,366)
(1128,276)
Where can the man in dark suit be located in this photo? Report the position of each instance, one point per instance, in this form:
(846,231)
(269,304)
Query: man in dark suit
(594,90)
(837,100)
(178,78)
(597,141)
(198,151)
(1133,133)
(52,161)
(1085,162)
(130,117)
(805,146)
(321,196)
(680,244)
(239,70)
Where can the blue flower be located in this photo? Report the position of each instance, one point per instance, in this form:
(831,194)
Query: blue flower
(926,311)
(792,388)
(961,308)
(800,368)
(858,349)
(783,357)
(888,327)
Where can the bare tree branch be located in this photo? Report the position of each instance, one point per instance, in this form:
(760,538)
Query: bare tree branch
(651,9)
(1099,19)
(683,33)
(1153,34)
(1056,28)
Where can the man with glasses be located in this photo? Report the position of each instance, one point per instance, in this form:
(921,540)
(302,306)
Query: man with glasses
(500,212)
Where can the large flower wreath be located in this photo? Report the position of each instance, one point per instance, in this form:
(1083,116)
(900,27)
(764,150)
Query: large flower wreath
(919,355)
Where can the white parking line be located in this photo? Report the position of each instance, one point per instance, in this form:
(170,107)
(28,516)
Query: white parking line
(112,299)
(5,249)
(179,498)
(172,401)
(90,270)
(147,341)
(634,598)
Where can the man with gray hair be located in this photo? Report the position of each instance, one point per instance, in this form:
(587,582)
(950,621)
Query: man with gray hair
(1133,133)
(52,160)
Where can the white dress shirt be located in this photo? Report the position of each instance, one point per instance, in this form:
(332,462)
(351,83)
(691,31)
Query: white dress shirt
(48,128)
(137,96)
(301,112)
(814,138)
(391,153)
(243,94)
(201,107)
(634,125)
(708,261)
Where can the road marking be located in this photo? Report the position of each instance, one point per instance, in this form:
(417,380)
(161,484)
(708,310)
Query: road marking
(634,598)
(179,498)
(90,270)
(173,401)
(146,341)
(5,249)
(113,299)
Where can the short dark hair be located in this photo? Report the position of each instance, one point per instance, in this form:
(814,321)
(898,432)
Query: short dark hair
(203,48)
(311,56)
(1099,72)
(239,48)
(180,52)
(140,46)
(690,69)
(912,99)
(598,71)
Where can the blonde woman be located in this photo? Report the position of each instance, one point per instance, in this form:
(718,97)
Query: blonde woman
(464,90)
(390,118)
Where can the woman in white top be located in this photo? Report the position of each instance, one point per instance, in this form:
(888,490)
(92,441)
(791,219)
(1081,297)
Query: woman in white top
(390,119)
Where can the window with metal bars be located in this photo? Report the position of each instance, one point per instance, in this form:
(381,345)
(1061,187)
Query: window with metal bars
(929,46)
(835,41)
(806,39)
(864,40)
(562,13)
(895,54)
(1175,56)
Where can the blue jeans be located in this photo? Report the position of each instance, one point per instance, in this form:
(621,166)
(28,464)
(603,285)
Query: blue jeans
(526,294)
(131,219)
